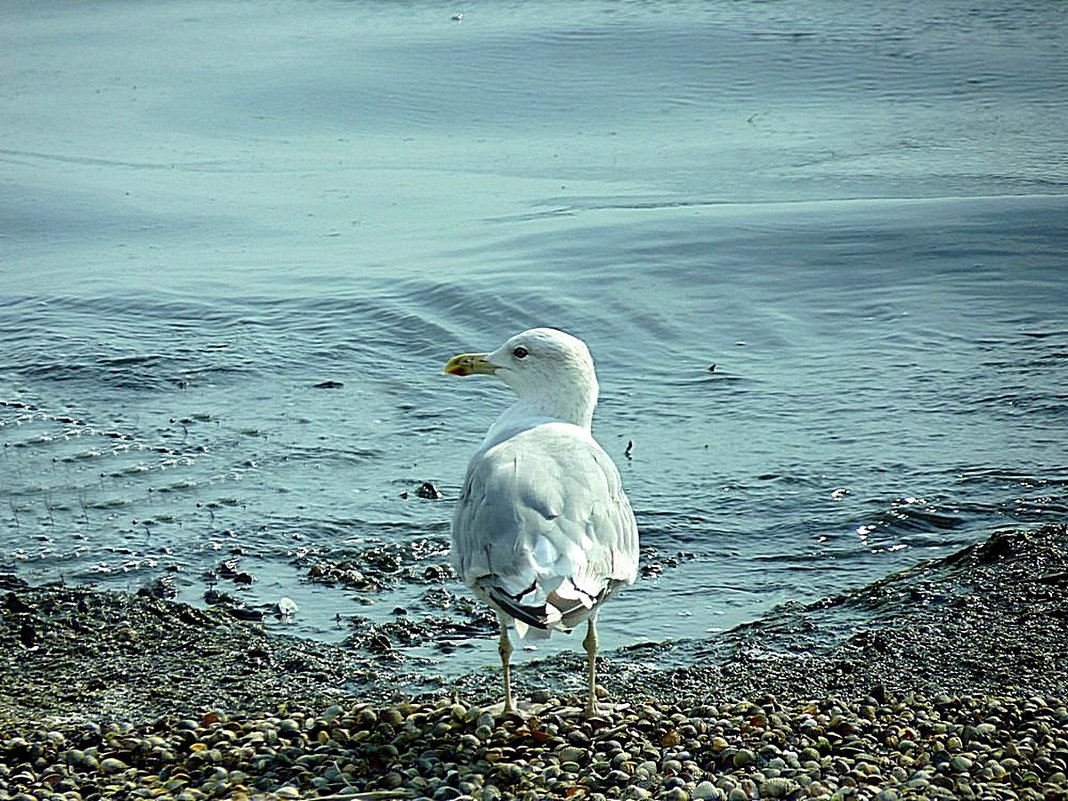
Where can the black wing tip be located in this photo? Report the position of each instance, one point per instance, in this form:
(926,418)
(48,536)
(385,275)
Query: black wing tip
(534,616)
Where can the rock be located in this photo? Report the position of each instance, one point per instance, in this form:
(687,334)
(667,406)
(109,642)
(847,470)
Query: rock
(428,491)
(778,787)
(744,758)
(81,761)
(111,765)
(706,791)
(960,764)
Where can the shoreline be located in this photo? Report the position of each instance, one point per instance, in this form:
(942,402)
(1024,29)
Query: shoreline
(953,680)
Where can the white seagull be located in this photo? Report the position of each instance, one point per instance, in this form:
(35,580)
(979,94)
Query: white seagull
(543,531)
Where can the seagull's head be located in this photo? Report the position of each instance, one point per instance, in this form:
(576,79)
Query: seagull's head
(550,370)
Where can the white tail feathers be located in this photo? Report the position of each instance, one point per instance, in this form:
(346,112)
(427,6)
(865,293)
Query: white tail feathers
(527,632)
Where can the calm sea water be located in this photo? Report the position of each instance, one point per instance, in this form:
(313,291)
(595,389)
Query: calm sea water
(858,213)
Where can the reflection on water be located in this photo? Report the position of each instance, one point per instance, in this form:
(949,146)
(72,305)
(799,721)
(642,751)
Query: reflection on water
(818,257)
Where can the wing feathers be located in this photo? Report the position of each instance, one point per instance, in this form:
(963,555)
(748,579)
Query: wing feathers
(542,529)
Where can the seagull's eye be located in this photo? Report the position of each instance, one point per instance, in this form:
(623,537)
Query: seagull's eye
(521,352)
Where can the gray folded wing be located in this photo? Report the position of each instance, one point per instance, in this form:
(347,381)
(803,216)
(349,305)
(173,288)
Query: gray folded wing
(542,527)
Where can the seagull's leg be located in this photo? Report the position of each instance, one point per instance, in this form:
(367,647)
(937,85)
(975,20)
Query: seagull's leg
(590,644)
(505,649)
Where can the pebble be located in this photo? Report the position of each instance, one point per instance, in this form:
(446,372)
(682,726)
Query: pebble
(960,763)
(778,787)
(112,765)
(706,791)
(449,750)
(743,758)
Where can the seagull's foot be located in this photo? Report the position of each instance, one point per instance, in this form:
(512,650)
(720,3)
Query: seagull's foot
(523,711)
(601,711)
(500,708)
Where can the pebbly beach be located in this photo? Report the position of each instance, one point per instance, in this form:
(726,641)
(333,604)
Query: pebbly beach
(818,251)
(948,682)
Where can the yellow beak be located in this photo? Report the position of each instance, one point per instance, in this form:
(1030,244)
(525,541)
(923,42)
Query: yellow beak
(470,364)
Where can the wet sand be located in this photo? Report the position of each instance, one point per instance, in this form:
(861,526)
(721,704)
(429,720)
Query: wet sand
(946,671)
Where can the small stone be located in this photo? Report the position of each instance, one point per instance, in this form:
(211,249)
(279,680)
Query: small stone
(743,758)
(289,728)
(510,772)
(578,737)
(571,753)
(79,760)
(778,787)
(919,780)
(111,765)
(331,713)
(961,764)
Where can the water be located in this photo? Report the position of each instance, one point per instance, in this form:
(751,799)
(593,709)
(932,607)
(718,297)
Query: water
(857,214)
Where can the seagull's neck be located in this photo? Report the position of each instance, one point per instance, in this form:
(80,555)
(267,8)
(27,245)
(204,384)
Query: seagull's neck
(576,409)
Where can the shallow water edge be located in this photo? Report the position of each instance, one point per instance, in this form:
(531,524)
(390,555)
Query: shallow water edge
(988,618)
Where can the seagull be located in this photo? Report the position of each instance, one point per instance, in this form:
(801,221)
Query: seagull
(542,530)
